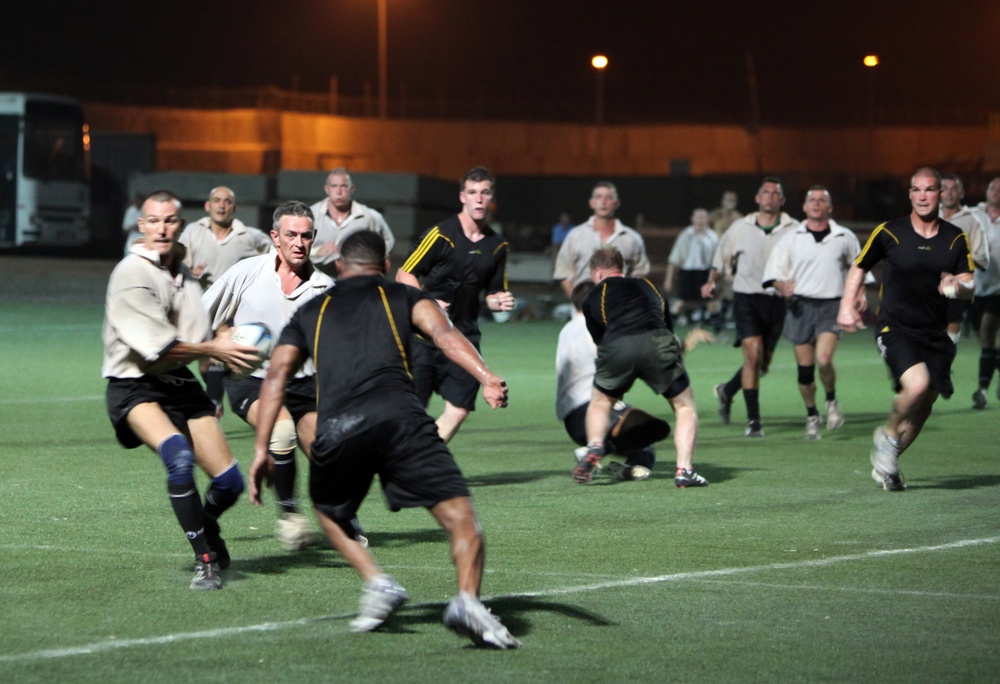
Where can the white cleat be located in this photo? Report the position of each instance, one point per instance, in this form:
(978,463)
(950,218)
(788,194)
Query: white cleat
(812,428)
(467,616)
(380,598)
(834,416)
(294,532)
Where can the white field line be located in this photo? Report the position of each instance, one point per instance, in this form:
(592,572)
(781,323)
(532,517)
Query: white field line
(104,646)
(853,590)
(51,400)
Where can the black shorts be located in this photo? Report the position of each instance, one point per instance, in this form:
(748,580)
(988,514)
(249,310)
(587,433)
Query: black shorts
(689,285)
(624,444)
(300,395)
(394,438)
(957,309)
(807,318)
(653,357)
(434,372)
(758,315)
(178,393)
(986,304)
(902,351)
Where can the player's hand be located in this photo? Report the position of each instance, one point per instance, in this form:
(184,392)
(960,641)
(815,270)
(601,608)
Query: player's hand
(787,289)
(260,476)
(443,304)
(850,320)
(861,302)
(495,393)
(708,290)
(500,301)
(696,336)
(239,357)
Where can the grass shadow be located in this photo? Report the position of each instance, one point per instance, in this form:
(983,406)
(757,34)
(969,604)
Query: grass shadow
(957,482)
(512,611)
(514,477)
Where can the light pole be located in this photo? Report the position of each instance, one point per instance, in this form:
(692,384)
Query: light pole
(870,62)
(599,62)
(383,61)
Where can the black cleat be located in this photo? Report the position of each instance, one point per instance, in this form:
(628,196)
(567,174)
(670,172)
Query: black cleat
(206,573)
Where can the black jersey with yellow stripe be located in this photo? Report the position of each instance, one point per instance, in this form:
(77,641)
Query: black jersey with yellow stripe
(911,272)
(358,335)
(454,269)
(620,306)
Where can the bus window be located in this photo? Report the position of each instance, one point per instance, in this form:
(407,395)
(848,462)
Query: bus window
(53,148)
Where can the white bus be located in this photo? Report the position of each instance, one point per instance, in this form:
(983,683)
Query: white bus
(44,171)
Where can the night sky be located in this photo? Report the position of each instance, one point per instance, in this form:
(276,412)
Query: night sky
(669,61)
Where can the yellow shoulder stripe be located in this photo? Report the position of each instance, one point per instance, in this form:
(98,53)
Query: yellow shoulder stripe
(871,238)
(315,355)
(395,331)
(421,251)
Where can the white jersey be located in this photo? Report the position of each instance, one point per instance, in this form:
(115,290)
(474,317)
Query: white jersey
(694,249)
(250,292)
(575,367)
(744,250)
(818,268)
(148,310)
(967,219)
(573,260)
(218,256)
(988,280)
(361,217)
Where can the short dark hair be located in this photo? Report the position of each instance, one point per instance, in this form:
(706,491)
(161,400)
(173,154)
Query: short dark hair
(605,184)
(772,179)
(477,174)
(607,257)
(291,208)
(363,247)
(952,177)
(580,293)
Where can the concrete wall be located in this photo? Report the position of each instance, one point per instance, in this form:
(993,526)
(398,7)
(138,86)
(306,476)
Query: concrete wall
(268,141)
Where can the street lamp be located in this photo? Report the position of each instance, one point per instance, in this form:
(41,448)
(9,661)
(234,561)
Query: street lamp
(599,62)
(383,61)
(870,62)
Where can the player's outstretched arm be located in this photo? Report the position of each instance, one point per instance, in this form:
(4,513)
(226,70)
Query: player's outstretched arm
(285,361)
(429,318)
(220,348)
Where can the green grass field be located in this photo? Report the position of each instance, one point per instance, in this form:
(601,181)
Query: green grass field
(792,566)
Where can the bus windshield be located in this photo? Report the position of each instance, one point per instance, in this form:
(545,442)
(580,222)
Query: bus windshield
(53,142)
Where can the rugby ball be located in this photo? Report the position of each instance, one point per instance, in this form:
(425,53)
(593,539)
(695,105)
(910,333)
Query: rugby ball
(254,335)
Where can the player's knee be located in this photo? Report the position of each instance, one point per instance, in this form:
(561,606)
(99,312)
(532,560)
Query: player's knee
(178,458)
(807,375)
(283,437)
(229,482)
